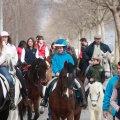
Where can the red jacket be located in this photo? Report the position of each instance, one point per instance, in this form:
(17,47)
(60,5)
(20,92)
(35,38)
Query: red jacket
(19,52)
(41,51)
(80,55)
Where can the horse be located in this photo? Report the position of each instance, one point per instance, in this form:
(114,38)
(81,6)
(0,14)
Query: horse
(62,100)
(5,113)
(4,100)
(106,61)
(35,77)
(95,99)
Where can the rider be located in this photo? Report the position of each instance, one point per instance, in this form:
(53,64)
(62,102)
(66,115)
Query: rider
(96,72)
(57,65)
(11,50)
(95,48)
(42,47)
(30,52)
(4,70)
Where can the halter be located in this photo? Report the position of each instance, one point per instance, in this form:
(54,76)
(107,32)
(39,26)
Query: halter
(97,98)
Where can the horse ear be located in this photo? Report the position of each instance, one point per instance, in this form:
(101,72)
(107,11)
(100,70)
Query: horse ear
(65,64)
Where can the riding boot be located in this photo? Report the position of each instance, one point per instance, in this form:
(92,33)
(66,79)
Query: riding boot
(12,96)
(82,98)
(45,98)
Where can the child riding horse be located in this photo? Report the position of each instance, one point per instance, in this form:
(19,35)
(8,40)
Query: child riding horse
(57,65)
(62,100)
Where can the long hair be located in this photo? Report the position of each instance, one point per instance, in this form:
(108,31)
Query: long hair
(9,40)
(1,44)
(28,47)
(118,83)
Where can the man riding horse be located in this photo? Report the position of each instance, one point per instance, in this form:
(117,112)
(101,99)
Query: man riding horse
(95,48)
(57,65)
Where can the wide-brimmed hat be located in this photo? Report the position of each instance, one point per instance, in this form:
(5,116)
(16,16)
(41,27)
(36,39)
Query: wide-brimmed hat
(4,33)
(98,36)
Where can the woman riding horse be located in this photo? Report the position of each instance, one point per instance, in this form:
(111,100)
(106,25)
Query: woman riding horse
(57,65)
(8,49)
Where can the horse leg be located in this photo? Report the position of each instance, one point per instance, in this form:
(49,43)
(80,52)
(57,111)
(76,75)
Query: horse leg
(70,117)
(98,115)
(36,108)
(4,114)
(77,116)
(55,117)
(29,112)
(92,115)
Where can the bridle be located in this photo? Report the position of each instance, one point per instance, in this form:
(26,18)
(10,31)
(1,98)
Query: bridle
(97,98)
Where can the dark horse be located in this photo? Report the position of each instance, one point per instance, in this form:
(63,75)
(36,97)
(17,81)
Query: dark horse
(4,103)
(35,76)
(62,100)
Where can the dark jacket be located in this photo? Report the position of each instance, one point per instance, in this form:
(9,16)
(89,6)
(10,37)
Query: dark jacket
(90,49)
(118,113)
(30,55)
(83,63)
(97,72)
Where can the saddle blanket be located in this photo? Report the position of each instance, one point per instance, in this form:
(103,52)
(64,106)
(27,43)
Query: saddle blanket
(4,88)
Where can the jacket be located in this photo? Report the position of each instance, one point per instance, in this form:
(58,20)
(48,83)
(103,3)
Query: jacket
(97,72)
(90,49)
(58,61)
(108,94)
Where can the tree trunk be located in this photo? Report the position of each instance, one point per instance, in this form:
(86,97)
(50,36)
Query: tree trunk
(102,31)
(117,24)
(1,16)
(116,48)
(98,29)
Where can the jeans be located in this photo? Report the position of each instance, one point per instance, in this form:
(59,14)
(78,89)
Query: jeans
(4,71)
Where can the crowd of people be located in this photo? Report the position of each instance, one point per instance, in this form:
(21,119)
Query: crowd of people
(61,51)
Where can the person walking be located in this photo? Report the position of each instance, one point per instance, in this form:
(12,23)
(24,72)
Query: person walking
(116,96)
(108,93)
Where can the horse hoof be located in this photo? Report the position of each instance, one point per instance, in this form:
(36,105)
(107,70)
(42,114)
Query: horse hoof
(42,109)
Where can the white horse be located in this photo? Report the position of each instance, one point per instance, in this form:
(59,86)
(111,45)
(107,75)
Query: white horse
(106,61)
(95,99)
(14,114)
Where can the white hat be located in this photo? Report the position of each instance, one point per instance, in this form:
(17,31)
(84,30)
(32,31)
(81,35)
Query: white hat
(98,36)
(4,33)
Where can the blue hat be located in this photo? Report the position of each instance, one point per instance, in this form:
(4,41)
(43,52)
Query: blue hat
(61,42)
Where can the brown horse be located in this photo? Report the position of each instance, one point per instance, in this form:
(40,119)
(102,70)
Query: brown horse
(35,77)
(62,100)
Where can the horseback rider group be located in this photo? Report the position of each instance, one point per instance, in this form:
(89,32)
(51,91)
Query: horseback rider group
(40,50)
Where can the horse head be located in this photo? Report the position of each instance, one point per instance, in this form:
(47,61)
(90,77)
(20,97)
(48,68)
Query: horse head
(106,61)
(38,70)
(95,92)
(67,76)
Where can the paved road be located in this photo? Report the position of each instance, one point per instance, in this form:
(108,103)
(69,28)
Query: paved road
(85,115)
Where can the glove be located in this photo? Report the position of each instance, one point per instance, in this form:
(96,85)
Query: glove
(57,74)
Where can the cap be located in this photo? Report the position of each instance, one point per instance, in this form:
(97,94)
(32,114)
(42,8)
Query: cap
(98,36)
(96,57)
(4,33)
